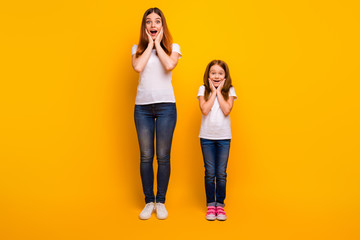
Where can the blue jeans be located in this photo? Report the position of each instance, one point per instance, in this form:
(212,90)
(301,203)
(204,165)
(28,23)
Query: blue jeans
(216,155)
(159,118)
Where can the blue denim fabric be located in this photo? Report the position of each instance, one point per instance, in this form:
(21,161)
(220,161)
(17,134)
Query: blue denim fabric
(159,118)
(216,155)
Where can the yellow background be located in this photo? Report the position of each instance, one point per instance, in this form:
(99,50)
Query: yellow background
(69,154)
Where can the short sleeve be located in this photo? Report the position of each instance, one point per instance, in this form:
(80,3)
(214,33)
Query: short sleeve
(201,91)
(232,93)
(176,48)
(133,49)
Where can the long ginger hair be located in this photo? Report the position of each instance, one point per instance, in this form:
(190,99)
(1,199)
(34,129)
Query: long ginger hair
(166,42)
(227,85)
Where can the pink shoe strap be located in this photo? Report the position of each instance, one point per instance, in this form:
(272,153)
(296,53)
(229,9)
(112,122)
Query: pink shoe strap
(220,210)
(211,210)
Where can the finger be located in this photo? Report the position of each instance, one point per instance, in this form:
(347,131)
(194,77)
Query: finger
(158,35)
(147,33)
(211,84)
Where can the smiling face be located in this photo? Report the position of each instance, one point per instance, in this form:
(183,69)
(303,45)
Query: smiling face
(153,24)
(216,75)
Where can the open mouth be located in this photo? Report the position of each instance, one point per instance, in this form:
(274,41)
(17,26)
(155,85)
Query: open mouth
(153,32)
(216,81)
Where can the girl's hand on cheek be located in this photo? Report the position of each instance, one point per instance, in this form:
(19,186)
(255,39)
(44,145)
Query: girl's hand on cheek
(149,36)
(221,85)
(159,37)
(212,87)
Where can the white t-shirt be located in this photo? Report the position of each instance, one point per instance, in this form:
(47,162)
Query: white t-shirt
(215,125)
(154,81)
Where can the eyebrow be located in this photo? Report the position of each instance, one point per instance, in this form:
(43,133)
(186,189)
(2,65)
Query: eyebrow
(155,18)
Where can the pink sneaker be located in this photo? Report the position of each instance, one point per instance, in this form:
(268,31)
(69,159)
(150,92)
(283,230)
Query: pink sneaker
(211,213)
(220,214)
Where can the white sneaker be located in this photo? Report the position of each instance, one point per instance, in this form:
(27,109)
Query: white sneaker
(147,211)
(161,212)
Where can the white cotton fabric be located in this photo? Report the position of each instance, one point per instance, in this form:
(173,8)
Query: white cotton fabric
(215,125)
(154,81)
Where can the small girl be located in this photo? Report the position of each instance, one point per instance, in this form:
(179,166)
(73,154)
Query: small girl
(216,99)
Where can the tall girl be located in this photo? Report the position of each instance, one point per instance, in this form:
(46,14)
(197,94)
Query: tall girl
(216,99)
(155,111)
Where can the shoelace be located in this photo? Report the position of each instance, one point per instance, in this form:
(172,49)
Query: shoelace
(220,210)
(211,210)
(149,207)
(160,207)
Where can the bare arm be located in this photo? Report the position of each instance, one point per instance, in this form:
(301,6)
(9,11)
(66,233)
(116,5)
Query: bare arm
(205,106)
(169,62)
(225,105)
(140,62)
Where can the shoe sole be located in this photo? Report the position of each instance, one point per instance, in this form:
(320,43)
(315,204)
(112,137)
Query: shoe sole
(161,218)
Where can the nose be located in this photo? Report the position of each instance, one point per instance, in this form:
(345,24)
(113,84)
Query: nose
(152,24)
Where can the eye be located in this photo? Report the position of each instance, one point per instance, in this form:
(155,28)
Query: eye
(157,21)
(147,22)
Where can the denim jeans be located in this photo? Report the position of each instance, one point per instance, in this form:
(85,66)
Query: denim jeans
(151,119)
(216,155)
